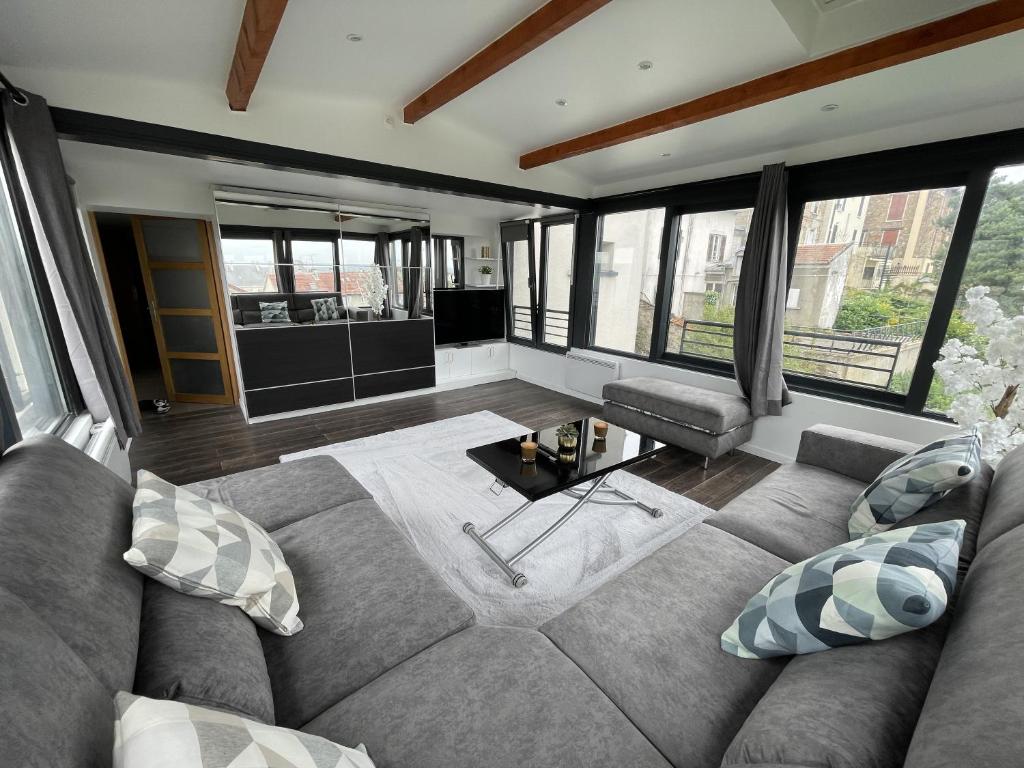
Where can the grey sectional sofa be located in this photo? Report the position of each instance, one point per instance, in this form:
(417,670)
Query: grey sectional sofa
(631,676)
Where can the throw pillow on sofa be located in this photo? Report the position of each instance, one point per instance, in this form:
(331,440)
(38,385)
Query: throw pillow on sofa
(868,589)
(325,309)
(149,733)
(914,482)
(204,548)
(274,312)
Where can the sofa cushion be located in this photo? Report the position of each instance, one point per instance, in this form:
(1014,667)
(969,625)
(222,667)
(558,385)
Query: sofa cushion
(858,455)
(650,640)
(852,707)
(1005,508)
(65,521)
(716,412)
(207,549)
(972,715)
(274,312)
(794,513)
(275,496)
(915,482)
(868,589)
(54,710)
(149,730)
(369,601)
(499,697)
(201,652)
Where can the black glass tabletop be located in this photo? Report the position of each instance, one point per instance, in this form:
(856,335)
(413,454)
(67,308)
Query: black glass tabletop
(559,467)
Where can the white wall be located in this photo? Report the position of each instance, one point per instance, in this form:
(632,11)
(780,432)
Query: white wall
(775,437)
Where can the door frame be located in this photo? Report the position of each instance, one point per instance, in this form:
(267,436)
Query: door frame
(216,312)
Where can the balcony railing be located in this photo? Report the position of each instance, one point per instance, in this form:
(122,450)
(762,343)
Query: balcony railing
(856,359)
(556,325)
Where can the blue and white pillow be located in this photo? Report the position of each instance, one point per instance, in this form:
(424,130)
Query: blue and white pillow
(868,589)
(914,482)
(274,312)
(325,309)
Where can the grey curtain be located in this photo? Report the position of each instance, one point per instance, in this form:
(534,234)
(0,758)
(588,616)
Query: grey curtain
(381,255)
(31,133)
(439,268)
(457,263)
(761,299)
(414,277)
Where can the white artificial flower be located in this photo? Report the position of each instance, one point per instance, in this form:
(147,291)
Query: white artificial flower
(978,381)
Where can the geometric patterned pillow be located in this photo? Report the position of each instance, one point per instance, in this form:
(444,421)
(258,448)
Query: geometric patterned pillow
(867,589)
(204,548)
(151,733)
(914,482)
(274,312)
(325,309)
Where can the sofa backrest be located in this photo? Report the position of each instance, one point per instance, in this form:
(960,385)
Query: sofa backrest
(245,307)
(70,604)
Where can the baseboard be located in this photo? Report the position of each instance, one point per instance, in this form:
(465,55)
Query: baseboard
(766,453)
(444,386)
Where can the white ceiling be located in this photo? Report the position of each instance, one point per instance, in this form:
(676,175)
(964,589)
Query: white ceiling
(167,62)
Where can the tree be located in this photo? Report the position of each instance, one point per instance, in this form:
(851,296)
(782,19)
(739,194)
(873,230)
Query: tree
(997,253)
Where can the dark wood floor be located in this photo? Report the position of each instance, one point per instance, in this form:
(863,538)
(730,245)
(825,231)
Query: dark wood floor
(197,444)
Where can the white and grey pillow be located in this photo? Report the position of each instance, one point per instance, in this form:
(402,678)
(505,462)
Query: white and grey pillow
(914,482)
(204,548)
(325,309)
(274,312)
(868,589)
(152,733)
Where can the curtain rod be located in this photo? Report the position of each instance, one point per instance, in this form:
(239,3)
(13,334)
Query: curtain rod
(17,94)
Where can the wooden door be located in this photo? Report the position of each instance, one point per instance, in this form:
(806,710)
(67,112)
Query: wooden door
(187,308)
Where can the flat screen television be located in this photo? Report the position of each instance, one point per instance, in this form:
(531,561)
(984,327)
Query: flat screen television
(463,315)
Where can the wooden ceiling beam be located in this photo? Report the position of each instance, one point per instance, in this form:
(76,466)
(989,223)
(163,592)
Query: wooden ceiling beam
(536,29)
(971,26)
(255,36)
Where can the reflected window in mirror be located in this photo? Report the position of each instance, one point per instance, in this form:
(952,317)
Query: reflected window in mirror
(313,263)
(250,264)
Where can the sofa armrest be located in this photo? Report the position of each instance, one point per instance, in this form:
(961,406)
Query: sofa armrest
(858,455)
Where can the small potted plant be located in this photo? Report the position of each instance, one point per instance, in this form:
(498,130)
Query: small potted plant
(486,274)
(568,438)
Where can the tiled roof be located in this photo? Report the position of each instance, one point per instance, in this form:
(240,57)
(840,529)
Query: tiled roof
(819,253)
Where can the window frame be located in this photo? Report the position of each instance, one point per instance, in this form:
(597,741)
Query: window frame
(284,267)
(67,380)
(537,256)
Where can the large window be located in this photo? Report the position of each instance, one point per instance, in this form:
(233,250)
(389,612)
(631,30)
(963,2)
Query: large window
(26,360)
(250,264)
(313,264)
(626,271)
(358,253)
(539,256)
(995,260)
(708,261)
(861,298)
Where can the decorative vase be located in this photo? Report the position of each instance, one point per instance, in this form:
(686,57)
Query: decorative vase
(600,430)
(600,445)
(528,451)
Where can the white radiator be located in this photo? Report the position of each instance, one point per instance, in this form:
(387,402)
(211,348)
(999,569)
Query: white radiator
(589,374)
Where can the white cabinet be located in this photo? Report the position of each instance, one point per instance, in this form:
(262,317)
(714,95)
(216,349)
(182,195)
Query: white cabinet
(459,362)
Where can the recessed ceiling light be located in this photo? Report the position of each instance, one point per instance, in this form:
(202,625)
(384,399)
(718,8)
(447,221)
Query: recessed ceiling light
(830,108)
(666,154)
(645,65)
(561,102)
(354,38)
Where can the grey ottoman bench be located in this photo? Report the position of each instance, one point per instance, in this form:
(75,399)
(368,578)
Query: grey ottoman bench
(699,420)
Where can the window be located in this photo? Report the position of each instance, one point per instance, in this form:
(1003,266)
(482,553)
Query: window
(313,265)
(716,248)
(995,259)
(897,206)
(26,360)
(556,274)
(864,308)
(399,258)
(703,301)
(356,259)
(449,260)
(623,313)
(250,264)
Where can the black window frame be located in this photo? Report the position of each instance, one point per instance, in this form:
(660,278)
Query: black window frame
(71,391)
(282,237)
(968,162)
(439,241)
(538,280)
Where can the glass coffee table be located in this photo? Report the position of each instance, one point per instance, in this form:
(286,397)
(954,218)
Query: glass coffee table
(581,472)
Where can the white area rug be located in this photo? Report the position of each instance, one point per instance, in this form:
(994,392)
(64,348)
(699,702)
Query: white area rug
(423,480)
